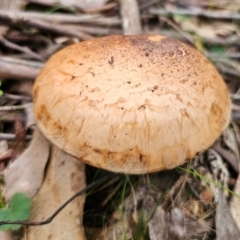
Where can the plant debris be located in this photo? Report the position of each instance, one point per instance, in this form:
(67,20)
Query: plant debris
(199,200)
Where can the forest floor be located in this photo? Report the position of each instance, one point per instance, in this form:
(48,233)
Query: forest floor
(199,200)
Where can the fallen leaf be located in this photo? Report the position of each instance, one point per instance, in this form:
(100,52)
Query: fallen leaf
(204,29)
(156,224)
(226,227)
(229,137)
(235,203)
(175,229)
(65,176)
(6,235)
(26,173)
(199,228)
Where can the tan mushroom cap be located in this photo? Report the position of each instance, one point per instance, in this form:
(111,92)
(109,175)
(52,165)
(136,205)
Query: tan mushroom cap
(131,104)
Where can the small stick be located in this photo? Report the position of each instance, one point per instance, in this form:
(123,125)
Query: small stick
(19,69)
(217,40)
(13,108)
(97,19)
(11,18)
(26,50)
(11,136)
(131,20)
(187,36)
(15,97)
(216,14)
(49,219)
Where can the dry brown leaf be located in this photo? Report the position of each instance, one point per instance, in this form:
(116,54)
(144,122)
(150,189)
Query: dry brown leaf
(204,29)
(229,137)
(65,176)
(26,173)
(5,235)
(226,227)
(175,225)
(235,203)
(156,224)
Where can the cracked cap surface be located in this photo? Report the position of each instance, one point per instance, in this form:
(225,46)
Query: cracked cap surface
(131,104)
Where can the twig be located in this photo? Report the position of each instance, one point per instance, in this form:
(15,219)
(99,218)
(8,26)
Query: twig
(111,194)
(227,66)
(11,136)
(235,115)
(19,69)
(9,17)
(216,14)
(178,29)
(235,96)
(49,219)
(43,2)
(227,70)
(146,5)
(228,156)
(223,55)
(15,97)
(217,40)
(21,49)
(131,20)
(34,64)
(96,30)
(13,108)
(57,18)
(105,7)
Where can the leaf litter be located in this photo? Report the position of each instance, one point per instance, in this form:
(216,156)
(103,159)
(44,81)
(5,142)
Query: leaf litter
(26,173)
(175,204)
(64,177)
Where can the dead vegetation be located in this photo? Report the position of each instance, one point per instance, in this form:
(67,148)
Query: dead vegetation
(197,201)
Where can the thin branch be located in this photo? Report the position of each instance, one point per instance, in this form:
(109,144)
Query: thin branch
(11,136)
(27,63)
(96,30)
(217,40)
(19,69)
(15,107)
(216,14)
(186,35)
(131,20)
(233,55)
(235,96)
(79,193)
(62,18)
(9,17)
(225,69)
(15,97)
(106,7)
(25,50)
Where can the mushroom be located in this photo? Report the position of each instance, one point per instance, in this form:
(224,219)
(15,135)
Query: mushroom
(131,104)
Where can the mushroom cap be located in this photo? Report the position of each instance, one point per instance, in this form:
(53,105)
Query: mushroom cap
(131,104)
